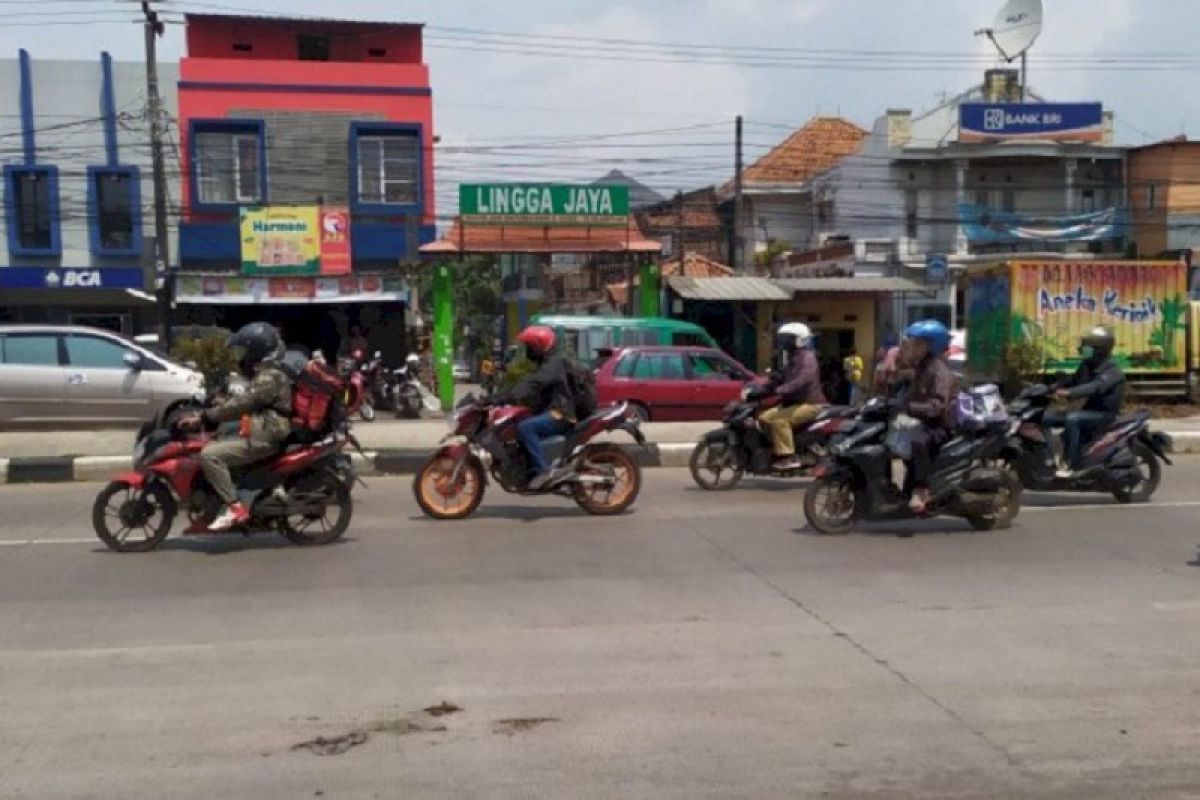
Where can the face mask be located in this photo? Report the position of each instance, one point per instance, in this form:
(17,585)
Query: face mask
(1087,352)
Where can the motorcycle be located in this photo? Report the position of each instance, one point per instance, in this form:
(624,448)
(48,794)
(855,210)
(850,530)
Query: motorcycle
(358,400)
(722,457)
(1123,459)
(855,481)
(602,478)
(409,395)
(303,492)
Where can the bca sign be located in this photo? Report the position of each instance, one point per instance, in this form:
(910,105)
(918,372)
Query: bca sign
(74,279)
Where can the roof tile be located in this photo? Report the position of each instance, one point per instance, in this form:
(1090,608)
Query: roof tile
(810,151)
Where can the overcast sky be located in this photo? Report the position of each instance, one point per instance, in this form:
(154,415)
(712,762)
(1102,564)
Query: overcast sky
(484,97)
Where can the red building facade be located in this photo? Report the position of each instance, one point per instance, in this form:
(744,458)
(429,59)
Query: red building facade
(279,113)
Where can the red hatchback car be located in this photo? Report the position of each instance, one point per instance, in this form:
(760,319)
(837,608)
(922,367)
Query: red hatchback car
(672,384)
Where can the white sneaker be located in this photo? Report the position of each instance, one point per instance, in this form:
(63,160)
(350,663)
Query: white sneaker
(230,516)
(1064,473)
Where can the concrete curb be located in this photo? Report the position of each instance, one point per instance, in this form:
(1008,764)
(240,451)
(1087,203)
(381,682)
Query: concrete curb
(393,461)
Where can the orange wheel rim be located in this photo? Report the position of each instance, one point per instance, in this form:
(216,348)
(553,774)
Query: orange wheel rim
(444,494)
(622,476)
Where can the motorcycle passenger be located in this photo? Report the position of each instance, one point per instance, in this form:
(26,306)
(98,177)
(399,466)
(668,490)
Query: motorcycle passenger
(265,413)
(547,393)
(931,399)
(1102,382)
(798,383)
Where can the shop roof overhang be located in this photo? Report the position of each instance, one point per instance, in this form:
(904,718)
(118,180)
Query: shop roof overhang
(545,239)
(767,289)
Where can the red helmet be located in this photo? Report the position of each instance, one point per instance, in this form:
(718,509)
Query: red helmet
(538,338)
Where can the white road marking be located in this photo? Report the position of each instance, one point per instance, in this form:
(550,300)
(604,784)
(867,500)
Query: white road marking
(1113,506)
(23,542)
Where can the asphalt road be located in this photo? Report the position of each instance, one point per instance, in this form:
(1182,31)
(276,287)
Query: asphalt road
(701,647)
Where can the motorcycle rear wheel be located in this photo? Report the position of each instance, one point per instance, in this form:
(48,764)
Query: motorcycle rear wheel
(1151,471)
(608,460)
(831,505)
(137,510)
(333,495)
(1008,505)
(440,499)
(714,467)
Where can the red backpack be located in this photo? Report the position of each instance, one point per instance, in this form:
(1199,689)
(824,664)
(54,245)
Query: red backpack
(316,399)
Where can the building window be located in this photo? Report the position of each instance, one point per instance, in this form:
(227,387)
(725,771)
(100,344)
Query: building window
(1088,200)
(911,228)
(227,162)
(31,201)
(387,166)
(1008,200)
(114,202)
(1151,197)
(312,48)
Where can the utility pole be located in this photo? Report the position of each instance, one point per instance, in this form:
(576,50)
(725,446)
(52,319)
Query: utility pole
(164,278)
(735,238)
(679,243)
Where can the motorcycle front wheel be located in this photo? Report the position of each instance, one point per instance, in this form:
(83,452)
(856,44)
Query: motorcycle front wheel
(328,509)
(831,504)
(613,463)
(714,466)
(443,495)
(131,519)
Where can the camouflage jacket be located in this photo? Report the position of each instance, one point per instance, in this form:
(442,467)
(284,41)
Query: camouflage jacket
(267,401)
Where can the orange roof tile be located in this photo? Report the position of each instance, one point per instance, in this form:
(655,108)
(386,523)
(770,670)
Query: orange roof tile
(696,266)
(811,150)
(475,238)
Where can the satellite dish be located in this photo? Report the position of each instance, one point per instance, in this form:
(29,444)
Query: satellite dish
(1016,28)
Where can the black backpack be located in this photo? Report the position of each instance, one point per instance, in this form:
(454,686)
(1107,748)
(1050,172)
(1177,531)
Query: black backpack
(582,384)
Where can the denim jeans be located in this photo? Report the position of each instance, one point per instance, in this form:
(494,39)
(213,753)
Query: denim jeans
(1081,426)
(533,430)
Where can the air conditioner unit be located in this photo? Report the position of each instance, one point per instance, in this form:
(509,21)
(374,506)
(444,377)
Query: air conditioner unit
(875,250)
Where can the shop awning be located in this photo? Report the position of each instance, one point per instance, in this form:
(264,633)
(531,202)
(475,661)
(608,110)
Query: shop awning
(732,289)
(481,238)
(874,285)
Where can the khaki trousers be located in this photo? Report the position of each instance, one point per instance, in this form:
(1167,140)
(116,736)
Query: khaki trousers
(218,457)
(780,421)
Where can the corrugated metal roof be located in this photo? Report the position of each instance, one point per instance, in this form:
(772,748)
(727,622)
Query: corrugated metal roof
(873,284)
(736,288)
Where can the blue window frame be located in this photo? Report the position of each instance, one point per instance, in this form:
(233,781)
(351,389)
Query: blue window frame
(31,207)
(387,168)
(228,160)
(115,211)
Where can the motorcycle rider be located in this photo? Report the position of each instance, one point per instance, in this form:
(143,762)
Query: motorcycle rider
(931,400)
(547,393)
(265,413)
(1102,382)
(797,381)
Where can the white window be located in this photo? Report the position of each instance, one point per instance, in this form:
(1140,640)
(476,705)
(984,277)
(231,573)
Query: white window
(389,169)
(227,167)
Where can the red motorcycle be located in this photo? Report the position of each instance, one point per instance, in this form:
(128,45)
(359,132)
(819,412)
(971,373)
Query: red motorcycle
(360,377)
(602,477)
(303,492)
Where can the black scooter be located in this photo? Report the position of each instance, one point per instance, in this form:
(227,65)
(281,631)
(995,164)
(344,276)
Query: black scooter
(855,482)
(1123,459)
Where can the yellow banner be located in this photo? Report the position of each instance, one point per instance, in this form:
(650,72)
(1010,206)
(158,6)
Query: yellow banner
(281,240)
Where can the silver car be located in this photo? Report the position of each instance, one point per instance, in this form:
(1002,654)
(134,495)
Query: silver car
(85,376)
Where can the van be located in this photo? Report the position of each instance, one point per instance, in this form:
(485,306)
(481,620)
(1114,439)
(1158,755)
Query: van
(583,336)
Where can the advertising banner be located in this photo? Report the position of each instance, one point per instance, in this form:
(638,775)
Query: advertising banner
(335,240)
(543,204)
(1048,306)
(985,226)
(1059,122)
(280,240)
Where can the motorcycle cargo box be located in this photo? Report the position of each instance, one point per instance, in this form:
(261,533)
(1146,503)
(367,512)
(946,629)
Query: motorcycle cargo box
(980,407)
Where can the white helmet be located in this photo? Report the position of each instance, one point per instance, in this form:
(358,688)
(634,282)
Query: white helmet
(412,360)
(798,332)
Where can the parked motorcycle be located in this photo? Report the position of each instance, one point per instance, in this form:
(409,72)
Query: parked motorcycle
(742,445)
(409,395)
(855,481)
(358,400)
(303,492)
(1125,459)
(602,477)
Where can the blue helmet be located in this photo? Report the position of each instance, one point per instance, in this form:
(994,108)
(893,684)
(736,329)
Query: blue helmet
(931,331)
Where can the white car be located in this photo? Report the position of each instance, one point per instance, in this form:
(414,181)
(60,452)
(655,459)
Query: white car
(86,376)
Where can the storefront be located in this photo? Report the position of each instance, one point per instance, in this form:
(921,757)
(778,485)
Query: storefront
(113,298)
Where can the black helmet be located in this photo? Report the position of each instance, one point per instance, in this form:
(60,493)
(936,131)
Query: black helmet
(1100,339)
(256,342)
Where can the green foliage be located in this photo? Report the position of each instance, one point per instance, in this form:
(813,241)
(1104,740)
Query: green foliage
(765,258)
(516,372)
(1024,363)
(1163,337)
(213,358)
